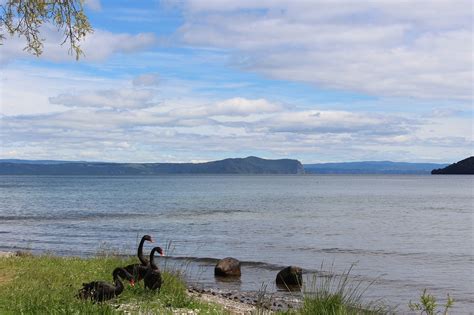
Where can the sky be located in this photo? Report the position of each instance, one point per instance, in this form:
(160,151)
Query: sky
(193,81)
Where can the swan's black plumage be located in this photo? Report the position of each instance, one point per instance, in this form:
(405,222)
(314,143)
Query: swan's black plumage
(152,279)
(101,291)
(139,270)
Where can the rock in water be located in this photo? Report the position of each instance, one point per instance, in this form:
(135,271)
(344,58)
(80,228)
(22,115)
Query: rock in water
(290,276)
(227,267)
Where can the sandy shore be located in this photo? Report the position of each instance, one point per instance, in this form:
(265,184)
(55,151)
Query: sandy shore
(231,306)
(245,302)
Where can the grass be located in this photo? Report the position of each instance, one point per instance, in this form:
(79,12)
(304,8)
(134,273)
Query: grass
(428,304)
(338,295)
(47,285)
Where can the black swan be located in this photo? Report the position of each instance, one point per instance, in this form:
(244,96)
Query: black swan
(152,278)
(101,291)
(139,270)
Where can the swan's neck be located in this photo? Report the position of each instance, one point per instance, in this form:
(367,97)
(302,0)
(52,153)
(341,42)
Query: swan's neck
(118,286)
(152,259)
(140,252)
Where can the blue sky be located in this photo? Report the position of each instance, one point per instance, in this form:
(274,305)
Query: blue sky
(180,81)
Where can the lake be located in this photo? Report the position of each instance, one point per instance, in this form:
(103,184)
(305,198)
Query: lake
(406,233)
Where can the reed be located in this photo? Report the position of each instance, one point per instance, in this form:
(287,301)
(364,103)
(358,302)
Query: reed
(331,294)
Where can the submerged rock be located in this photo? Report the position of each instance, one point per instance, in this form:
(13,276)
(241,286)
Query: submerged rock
(227,267)
(290,276)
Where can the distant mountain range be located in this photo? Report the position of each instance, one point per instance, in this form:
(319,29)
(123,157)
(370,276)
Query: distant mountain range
(371,167)
(248,165)
(464,167)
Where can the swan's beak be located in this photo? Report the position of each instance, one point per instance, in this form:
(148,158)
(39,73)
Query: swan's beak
(151,240)
(132,283)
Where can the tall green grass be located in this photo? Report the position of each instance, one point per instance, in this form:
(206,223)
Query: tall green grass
(48,284)
(338,295)
(428,304)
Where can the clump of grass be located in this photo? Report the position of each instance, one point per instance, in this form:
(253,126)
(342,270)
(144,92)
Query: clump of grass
(263,301)
(47,285)
(429,305)
(338,295)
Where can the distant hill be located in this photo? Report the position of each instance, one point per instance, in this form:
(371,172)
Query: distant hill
(465,166)
(371,167)
(248,165)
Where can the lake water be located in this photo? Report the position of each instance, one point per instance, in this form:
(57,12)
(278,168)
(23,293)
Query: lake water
(406,232)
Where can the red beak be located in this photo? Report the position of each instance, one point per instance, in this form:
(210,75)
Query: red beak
(132,283)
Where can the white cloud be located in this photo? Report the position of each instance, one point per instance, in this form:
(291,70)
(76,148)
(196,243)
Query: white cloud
(26,90)
(147,79)
(102,44)
(97,46)
(174,129)
(240,106)
(237,106)
(387,48)
(119,99)
(111,119)
(338,122)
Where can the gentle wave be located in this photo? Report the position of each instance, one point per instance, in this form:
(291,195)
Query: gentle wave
(204,212)
(356,251)
(70,216)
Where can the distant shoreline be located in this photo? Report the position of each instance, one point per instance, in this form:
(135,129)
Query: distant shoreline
(234,166)
(248,165)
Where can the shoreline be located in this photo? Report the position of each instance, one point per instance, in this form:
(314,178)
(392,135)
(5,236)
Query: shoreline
(235,302)
(246,300)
